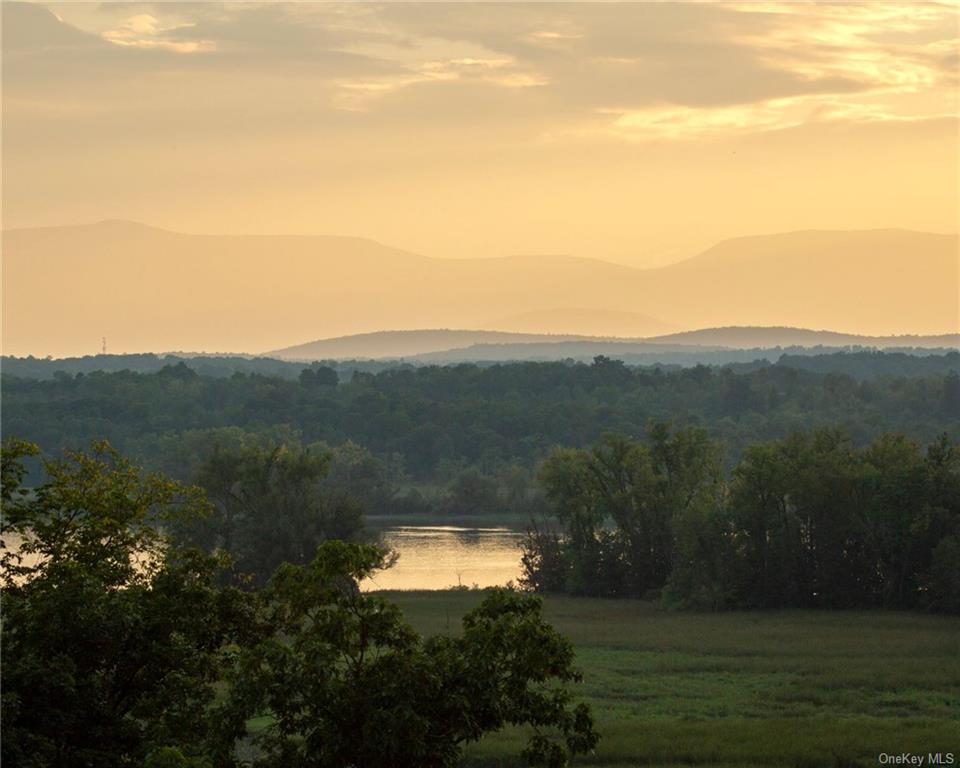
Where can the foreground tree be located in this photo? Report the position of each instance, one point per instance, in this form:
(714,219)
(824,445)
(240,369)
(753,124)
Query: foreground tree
(349,683)
(111,642)
(116,644)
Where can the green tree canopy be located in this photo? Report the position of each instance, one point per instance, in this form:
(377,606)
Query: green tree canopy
(349,683)
(121,650)
(269,506)
(112,643)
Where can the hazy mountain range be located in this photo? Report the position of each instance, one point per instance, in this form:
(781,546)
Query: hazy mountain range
(589,322)
(456,345)
(150,289)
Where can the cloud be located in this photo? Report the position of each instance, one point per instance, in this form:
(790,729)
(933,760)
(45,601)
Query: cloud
(635,71)
(678,123)
(661,61)
(706,69)
(471,128)
(28,27)
(146,31)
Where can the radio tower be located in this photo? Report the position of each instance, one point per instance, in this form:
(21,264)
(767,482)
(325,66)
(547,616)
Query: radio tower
(104,347)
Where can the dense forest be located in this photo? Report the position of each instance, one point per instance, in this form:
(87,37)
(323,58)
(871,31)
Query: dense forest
(431,426)
(205,365)
(857,362)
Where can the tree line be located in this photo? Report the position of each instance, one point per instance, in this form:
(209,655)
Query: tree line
(430,424)
(858,362)
(807,521)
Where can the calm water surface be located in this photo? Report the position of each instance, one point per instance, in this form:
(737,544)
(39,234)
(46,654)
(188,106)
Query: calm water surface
(437,557)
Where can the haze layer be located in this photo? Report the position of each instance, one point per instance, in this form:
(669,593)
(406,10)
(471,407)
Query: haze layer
(613,135)
(150,289)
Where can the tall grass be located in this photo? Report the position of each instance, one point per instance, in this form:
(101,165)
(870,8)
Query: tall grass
(783,688)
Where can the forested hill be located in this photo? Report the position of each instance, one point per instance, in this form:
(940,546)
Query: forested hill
(433,421)
(205,365)
(395,344)
(642,353)
(696,346)
(859,364)
(746,337)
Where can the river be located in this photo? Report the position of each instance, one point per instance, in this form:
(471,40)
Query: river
(439,556)
(442,556)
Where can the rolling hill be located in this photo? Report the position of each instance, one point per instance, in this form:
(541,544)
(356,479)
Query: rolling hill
(756,337)
(872,282)
(151,289)
(393,344)
(580,320)
(450,345)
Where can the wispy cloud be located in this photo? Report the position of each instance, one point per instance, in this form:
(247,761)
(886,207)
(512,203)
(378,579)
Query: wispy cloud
(633,70)
(509,127)
(677,123)
(146,31)
(901,59)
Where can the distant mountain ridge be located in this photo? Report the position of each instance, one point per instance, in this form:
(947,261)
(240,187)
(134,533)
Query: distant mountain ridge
(585,321)
(744,337)
(151,289)
(392,344)
(445,345)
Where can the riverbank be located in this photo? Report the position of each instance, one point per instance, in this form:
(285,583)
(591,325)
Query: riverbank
(778,688)
(509,520)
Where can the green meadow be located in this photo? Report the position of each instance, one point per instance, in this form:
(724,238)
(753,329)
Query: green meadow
(773,688)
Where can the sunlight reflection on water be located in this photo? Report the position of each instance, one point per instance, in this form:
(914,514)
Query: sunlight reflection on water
(433,557)
(437,557)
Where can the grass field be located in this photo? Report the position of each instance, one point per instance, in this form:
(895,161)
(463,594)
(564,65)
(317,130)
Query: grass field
(786,688)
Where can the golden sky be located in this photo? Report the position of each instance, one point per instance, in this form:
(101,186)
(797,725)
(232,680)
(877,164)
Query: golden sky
(639,133)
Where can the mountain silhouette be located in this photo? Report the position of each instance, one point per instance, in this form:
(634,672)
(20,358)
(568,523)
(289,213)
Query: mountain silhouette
(150,289)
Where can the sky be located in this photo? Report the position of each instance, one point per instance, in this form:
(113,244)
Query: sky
(638,133)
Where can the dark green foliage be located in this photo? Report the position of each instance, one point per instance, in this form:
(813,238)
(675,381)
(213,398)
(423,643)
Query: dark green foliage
(485,418)
(858,362)
(809,535)
(809,521)
(12,472)
(944,576)
(951,395)
(738,395)
(121,650)
(543,561)
(218,366)
(472,494)
(768,532)
(619,503)
(357,474)
(869,364)
(269,507)
(171,757)
(349,683)
(318,377)
(111,643)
